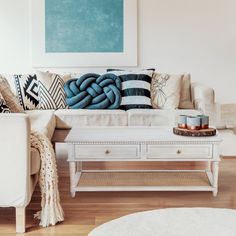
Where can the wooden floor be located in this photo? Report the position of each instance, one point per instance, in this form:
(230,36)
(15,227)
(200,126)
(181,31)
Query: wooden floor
(88,210)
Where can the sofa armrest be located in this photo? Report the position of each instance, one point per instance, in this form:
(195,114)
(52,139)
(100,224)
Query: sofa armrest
(203,98)
(202,95)
(15,160)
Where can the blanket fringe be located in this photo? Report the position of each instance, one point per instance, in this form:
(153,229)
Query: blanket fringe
(51,212)
(50,215)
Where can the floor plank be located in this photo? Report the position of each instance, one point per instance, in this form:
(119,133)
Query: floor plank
(88,210)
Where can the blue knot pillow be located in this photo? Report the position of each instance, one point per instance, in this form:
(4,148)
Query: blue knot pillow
(93,91)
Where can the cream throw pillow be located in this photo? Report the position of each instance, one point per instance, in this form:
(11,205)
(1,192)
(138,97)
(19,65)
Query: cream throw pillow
(185,95)
(11,100)
(165,91)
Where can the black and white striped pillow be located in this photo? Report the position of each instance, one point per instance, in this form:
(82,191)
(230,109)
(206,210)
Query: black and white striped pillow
(136,87)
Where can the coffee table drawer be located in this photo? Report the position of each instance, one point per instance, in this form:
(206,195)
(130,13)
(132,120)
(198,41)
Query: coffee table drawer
(178,152)
(107,151)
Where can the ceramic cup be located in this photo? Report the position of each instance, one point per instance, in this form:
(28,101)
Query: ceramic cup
(182,121)
(204,121)
(193,123)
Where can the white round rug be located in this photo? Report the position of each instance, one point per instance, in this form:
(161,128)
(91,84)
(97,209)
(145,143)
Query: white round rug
(172,222)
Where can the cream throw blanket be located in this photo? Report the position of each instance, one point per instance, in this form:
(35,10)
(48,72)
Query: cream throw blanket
(51,211)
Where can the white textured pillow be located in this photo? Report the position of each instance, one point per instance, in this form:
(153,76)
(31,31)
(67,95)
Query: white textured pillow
(165,91)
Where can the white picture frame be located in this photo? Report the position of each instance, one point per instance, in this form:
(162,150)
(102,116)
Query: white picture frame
(41,59)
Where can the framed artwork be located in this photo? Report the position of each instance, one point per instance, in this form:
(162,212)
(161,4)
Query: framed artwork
(81,33)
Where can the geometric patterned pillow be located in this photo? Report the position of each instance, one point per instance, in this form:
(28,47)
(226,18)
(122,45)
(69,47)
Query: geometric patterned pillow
(3,106)
(27,91)
(51,90)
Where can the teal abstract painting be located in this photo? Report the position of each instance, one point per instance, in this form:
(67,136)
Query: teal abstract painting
(84,26)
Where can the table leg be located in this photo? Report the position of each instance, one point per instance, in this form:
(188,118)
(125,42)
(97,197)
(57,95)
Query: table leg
(215,170)
(208,166)
(72,166)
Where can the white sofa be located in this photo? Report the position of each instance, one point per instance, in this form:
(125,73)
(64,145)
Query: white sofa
(20,164)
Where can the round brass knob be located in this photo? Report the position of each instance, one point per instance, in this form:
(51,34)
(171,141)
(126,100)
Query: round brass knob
(107,152)
(179,152)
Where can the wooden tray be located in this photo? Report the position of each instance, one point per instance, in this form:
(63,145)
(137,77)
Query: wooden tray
(195,133)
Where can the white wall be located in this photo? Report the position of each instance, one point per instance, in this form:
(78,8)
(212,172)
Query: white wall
(196,36)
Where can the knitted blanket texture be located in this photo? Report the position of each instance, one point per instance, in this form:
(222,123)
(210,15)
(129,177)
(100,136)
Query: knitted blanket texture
(51,211)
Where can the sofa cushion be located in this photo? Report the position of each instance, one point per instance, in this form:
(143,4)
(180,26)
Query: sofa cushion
(156,117)
(43,121)
(35,161)
(65,119)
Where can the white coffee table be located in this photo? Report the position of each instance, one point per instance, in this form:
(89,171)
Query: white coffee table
(95,144)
